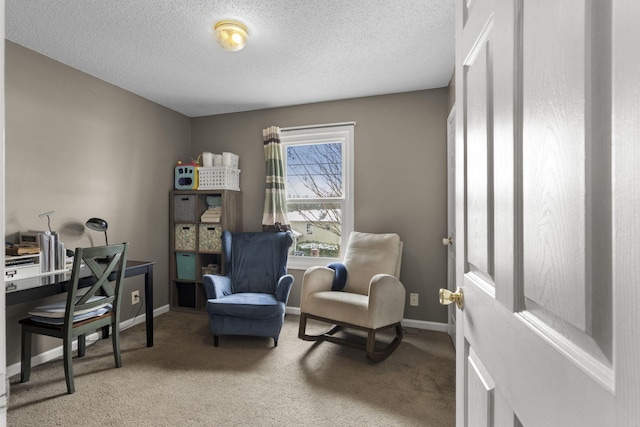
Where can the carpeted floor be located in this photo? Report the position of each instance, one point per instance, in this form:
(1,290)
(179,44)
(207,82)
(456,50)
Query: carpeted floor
(184,381)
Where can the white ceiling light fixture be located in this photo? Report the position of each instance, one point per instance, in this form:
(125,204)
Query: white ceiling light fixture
(231,35)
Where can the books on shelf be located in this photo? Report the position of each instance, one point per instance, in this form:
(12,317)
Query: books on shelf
(21,260)
(14,250)
(212,214)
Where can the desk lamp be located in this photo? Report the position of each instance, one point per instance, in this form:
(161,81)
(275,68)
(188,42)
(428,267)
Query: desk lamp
(98,224)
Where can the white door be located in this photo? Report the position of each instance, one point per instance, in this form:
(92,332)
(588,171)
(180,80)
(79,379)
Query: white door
(548,218)
(449,241)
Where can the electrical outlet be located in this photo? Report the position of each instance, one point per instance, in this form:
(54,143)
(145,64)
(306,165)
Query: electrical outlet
(135,297)
(413,299)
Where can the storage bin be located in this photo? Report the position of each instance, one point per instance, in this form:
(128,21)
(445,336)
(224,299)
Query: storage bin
(185,208)
(186,265)
(186,294)
(185,237)
(210,238)
(222,178)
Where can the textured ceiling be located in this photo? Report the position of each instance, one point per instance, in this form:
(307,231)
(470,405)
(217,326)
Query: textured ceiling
(299,51)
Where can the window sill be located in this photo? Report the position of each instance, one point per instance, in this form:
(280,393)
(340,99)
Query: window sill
(305,262)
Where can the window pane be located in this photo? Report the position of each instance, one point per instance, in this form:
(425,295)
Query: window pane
(314,170)
(316,229)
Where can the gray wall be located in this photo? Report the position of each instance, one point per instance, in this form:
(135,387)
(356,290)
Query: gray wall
(400,175)
(85,148)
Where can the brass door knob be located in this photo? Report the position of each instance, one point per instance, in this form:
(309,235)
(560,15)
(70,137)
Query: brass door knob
(447,297)
(446,241)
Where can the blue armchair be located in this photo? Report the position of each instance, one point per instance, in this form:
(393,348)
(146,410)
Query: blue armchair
(251,298)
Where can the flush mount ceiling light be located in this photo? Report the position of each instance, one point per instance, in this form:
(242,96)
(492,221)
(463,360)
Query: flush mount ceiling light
(231,35)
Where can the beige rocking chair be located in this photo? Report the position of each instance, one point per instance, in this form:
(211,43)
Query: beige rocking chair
(371,299)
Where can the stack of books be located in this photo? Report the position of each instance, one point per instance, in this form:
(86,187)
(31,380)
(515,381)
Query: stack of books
(52,252)
(16,249)
(212,214)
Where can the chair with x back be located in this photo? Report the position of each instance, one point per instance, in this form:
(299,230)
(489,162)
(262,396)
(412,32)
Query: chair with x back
(82,312)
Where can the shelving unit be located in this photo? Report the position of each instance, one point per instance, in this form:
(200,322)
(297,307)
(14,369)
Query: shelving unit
(195,244)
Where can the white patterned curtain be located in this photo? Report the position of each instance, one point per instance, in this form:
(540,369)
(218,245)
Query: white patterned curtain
(274,217)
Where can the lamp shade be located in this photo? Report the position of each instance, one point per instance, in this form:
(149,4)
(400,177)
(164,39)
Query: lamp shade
(97,224)
(231,35)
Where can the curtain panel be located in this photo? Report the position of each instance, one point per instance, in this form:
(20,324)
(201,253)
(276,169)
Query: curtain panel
(274,217)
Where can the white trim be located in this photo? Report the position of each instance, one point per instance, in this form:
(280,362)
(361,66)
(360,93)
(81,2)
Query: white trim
(56,352)
(343,132)
(426,325)
(409,323)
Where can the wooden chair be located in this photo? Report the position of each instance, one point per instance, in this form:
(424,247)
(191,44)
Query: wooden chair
(98,307)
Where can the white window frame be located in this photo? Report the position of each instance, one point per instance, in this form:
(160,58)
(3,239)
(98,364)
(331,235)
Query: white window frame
(319,134)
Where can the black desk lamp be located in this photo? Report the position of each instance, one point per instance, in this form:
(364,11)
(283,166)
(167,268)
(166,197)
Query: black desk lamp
(98,224)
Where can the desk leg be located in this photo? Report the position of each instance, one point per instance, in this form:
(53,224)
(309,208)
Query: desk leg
(148,291)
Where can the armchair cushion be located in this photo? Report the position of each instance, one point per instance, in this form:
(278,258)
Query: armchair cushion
(248,305)
(249,269)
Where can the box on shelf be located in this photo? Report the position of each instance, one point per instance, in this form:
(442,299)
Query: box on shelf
(184,208)
(219,178)
(210,238)
(186,265)
(185,237)
(230,160)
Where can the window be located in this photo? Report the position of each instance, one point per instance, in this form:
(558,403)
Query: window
(318,164)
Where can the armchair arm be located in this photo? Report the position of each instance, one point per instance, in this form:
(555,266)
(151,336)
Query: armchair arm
(315,279)
(283,288)
(216,286)
(386,300)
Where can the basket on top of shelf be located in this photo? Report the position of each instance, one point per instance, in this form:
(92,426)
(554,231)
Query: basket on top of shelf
(218,178)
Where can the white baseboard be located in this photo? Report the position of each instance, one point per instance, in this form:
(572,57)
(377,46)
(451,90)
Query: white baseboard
(409,323)
(292,310)
(48,355)
(423,324)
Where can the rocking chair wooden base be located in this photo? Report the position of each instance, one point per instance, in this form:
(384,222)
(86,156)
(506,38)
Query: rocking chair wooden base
(376,355)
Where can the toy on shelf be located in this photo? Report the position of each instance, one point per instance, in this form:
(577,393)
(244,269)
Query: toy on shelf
(186,176)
